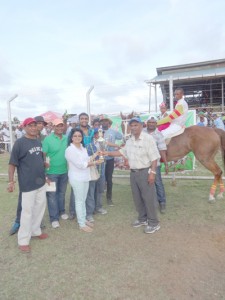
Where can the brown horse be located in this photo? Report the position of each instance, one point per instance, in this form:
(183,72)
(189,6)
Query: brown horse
(204,142)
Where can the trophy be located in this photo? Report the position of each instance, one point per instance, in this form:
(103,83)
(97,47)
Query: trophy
(102,143)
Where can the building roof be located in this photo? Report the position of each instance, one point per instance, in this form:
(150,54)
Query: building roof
(197,71)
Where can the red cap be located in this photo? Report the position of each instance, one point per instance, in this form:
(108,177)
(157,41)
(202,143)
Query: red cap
(29,121)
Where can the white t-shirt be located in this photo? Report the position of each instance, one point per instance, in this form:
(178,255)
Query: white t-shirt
(77,159)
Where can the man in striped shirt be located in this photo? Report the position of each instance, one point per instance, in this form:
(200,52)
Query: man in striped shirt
(178,116)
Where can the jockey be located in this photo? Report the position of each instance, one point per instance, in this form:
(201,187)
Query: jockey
(178,116)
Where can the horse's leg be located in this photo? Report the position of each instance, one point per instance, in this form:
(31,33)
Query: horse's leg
(212,166)
(220,195)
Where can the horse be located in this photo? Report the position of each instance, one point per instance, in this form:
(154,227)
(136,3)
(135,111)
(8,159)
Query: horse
(125,124)
(204,142)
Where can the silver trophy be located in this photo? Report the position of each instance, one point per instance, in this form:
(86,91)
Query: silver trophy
(102,143)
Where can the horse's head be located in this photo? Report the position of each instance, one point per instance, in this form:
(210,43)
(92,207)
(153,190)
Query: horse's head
(125,124)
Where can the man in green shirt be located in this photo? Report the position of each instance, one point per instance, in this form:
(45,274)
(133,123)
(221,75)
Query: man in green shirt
(54,147)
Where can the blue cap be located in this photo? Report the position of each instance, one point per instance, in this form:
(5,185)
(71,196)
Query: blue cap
(135,119)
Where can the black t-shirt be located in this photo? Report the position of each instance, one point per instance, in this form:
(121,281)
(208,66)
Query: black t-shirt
(27,156)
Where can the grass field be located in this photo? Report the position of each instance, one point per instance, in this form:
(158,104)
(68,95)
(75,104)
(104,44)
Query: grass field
(184,260)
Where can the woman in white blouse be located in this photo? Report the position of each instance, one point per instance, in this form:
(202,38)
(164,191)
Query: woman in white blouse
(79,175)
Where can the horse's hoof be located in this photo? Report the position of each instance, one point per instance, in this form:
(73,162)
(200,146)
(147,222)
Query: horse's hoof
(219,196)
(211,199)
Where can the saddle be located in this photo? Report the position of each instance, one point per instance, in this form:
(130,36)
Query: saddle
(174,134)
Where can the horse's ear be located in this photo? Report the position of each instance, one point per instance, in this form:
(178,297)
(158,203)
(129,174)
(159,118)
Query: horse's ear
(121,115)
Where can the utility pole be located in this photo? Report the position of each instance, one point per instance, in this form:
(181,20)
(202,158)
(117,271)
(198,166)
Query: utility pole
(10,119)
(88,101)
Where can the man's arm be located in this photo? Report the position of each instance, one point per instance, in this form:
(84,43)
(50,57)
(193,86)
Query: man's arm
(152,172)
(11,172)
(178,111)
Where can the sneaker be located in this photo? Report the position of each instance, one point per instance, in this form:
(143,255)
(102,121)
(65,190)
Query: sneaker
(110,203)
(162,208)
(42,225)
(90,219)
(101,211)
(151,229)
(25,248)
(86,229)
(138,223)
(71,216)
(64,217)
(55,224)
(14,228)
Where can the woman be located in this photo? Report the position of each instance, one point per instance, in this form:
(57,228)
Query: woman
(79,175)
(163,110)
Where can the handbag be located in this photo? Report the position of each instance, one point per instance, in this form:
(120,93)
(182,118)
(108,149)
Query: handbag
(94,173)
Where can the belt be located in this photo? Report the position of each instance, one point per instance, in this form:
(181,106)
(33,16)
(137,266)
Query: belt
(138,170)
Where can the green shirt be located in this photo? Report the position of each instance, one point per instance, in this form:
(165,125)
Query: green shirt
(55,148)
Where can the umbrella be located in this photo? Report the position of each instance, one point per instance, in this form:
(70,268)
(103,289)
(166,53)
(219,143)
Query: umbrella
(49,116)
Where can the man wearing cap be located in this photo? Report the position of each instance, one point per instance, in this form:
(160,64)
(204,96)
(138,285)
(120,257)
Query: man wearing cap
(40,125)
(110,135)
(27,158)
(54,147)
(178,116)
(142,154)
(217,122)
(161,145)
(201,122)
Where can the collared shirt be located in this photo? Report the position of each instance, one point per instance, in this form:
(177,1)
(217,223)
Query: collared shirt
(111,135)
(55,148)
(160,141)
(78,159)
(140,152)
(219,123)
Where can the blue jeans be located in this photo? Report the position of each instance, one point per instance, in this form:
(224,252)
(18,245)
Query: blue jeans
(90,201)
(160,191)
(72,203)
(99,190)
(80,189)
(56,200)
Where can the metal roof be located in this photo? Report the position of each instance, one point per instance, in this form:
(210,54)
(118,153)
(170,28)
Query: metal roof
(201,74)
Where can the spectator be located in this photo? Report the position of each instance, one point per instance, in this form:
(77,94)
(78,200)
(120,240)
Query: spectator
(54,147)
(110,135)
(161,145)
(94,199)
(142,154)
(79,175)
(201,121)
(217,122)
(40,125)
(27,157)
(88,134)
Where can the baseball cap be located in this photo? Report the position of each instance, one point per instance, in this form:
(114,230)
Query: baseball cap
(57,122)
(135,119)
(152,118)
(104,117)
(40,119)
(29,121)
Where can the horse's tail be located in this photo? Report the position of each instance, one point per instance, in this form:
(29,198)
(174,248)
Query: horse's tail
(221,133)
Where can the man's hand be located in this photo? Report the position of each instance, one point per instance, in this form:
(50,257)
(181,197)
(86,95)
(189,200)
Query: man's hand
(11,187)
(151,178)
(48,181)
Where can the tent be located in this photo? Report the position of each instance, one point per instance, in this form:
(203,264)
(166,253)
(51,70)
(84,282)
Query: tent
(49,116)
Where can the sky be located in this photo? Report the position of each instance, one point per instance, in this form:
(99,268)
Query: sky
(52,52)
